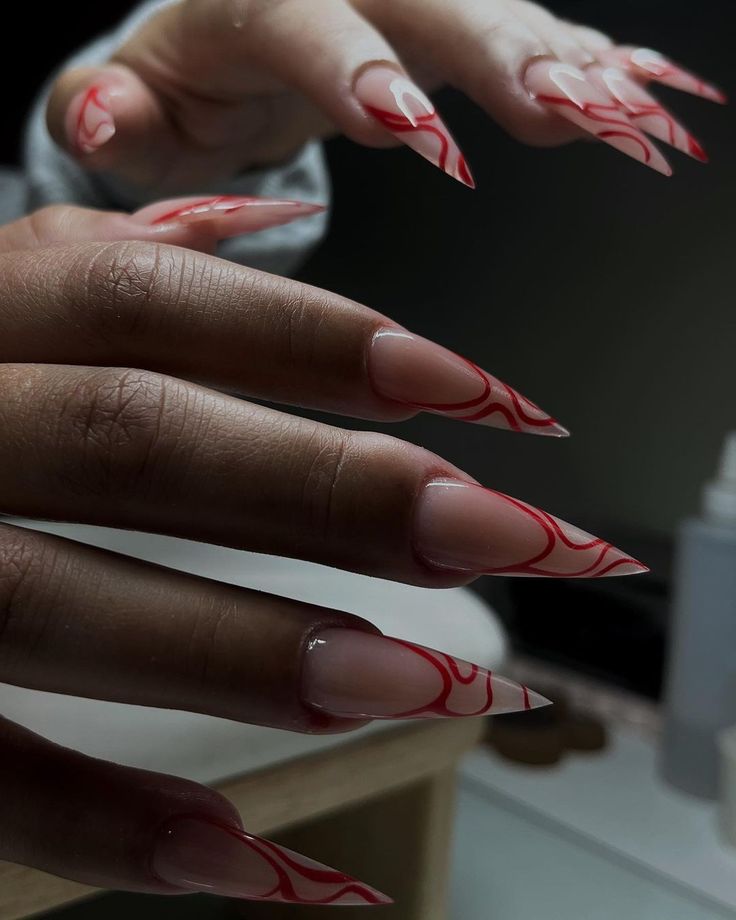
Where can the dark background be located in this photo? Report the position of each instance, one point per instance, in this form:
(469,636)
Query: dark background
(600,289)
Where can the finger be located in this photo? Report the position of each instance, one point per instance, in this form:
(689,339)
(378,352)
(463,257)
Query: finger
(563,42)
(240,330)
(509,69)
(195,223)
(102,115)
(118,827)
(325,51)
(135,450)
(94,624)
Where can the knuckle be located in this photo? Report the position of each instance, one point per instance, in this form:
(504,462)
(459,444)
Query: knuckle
(118,423)
(322,480)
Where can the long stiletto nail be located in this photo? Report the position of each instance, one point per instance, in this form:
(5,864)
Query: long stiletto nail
(566,90)
(404,110)
(226,215)
(467,528)
(655,66)
(92,123)
(418,373)
(355,674)
(645,111)
(198,854)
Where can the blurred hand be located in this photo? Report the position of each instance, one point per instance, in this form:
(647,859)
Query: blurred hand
(209,88)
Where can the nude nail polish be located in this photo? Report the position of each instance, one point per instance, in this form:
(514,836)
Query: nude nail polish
(226,216)
(354,674)
(467,528)
(198,854)
(91,124)
(390,97)
(644,110)
(418,373)
(567,91)
(651,65)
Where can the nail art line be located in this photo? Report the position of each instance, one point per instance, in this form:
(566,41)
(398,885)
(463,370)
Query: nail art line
(95,125)
(412,118)
(656,66)
(448,668)
(554,531)
(515,415)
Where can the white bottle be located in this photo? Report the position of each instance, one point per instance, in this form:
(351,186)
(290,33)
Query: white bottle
(701,680)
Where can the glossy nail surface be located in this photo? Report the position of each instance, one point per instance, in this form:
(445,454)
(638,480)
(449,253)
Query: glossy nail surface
(404,110)
(355,674)
(418,373)
(645,111)
(568,92)
(92,124)
(197,854)
(465,527)
(651,65)
(226,215)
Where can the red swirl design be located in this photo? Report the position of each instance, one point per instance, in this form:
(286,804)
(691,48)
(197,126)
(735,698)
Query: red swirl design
(496,398)
(302,881)
(94,114)
(600,113)
(599,552)
(224,204)
(453,679)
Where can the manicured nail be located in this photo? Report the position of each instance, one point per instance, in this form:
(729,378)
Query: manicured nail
(566,90)
(355,674)
(467,528)
(90,121)
(404,110)
(645,111)
(418,373)
(225,216)
(655,66)
(197,854)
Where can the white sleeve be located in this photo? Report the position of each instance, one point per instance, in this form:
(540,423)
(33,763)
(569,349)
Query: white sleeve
(53,177)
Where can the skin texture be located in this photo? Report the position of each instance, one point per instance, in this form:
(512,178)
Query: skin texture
(104,423)
(208,88)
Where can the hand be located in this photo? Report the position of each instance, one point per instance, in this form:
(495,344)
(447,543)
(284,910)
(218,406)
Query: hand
(102,423)
(208,88)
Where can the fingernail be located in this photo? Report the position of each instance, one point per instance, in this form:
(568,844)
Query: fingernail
(467,528)
(404,110)
(645,111)
(226,215)
(197,854)
(354,674)
(418,373)
(566,90)
(655,66)
(91,123)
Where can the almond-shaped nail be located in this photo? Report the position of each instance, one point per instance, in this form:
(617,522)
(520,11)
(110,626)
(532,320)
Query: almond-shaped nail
(567,91)
(197,854)
(225,216)
(354,674)
(402,108)
(90,122)
(651,65)
(416,372)
(467,528)
(645,111)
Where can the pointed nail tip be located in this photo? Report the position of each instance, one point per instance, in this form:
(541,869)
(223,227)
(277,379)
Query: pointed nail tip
(537,701)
